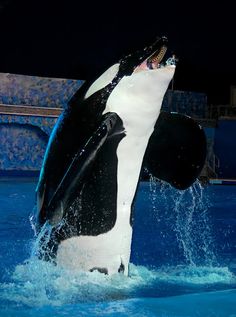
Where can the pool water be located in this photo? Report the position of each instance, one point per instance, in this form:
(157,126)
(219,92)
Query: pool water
(183,260)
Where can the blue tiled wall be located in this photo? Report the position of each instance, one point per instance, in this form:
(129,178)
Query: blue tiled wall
(46,124)
(22,147)
(36,91)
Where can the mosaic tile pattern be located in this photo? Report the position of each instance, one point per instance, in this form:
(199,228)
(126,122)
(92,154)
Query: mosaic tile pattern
(22,147)
(36,91)
(46,124)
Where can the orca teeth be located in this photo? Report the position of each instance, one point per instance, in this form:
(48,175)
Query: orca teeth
(157,57)
(160,55)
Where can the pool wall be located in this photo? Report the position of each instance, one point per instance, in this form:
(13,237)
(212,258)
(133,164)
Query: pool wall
(29,107)
(22,147)
(225,147)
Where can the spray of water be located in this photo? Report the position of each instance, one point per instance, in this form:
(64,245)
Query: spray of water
(190,221)
(154,188)
(38,283)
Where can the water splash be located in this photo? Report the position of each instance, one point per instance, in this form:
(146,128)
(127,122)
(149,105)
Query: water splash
(154,188)
(41,241)
(37,283)
(190,221)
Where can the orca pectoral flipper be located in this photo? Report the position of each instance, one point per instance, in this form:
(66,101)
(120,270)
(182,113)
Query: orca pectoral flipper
(176,150)
(78,170)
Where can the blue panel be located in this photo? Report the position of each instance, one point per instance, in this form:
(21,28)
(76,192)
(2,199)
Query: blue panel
(225,148)
(185,102)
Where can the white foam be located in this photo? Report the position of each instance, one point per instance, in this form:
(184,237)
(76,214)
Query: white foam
(37,283)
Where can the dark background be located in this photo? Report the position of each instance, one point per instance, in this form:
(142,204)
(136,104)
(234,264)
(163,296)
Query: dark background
(75,39)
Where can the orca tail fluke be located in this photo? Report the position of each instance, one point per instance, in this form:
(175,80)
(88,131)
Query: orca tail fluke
(176,150)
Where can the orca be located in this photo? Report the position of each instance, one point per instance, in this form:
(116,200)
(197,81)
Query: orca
(110,131)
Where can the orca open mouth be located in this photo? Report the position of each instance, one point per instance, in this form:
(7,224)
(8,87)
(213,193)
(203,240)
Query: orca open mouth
(155,54)
(148,58)
(154,61)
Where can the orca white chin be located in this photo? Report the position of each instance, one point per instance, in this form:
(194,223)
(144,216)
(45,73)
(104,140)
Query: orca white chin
(137,99)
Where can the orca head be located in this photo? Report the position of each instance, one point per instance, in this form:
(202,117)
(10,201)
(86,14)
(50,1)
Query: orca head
(143,81)
(150,57)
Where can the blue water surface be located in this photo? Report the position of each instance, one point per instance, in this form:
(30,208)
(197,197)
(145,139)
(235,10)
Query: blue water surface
(183,260)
